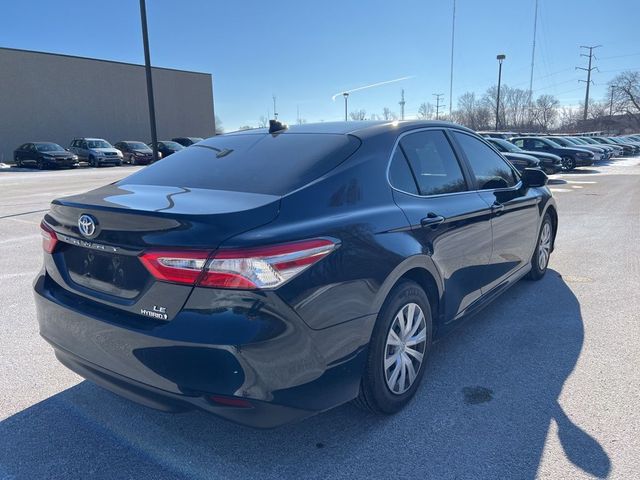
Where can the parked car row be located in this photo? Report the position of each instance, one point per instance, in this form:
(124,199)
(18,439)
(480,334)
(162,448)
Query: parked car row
(96,152)
(553,153)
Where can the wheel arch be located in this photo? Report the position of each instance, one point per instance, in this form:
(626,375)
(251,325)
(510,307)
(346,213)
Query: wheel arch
(421,270)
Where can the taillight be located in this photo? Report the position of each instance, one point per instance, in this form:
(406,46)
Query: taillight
(247,269)
(175,266)
(49,238)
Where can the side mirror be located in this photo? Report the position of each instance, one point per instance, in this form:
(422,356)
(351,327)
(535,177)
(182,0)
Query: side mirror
(534,177)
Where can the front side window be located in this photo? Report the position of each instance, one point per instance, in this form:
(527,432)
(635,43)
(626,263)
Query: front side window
(433,162)
(490,170)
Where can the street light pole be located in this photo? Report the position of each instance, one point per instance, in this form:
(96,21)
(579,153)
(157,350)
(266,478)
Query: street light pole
(346,96)
(147,67)
(500,58)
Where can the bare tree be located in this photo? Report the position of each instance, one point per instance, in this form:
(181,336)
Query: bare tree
(426,111)
(358,114)
(568,119)
(472,112)
(516,107)
(626,95)
(263,121)
(301,121)
(245,127)
(388,114)
(545,111)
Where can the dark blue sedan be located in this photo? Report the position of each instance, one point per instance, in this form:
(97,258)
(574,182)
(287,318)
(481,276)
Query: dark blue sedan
(266,276)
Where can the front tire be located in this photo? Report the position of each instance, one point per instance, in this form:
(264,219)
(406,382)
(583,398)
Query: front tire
(398,349)
(542,253)
(568,163)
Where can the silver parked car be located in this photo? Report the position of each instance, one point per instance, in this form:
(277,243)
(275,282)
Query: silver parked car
(96,151)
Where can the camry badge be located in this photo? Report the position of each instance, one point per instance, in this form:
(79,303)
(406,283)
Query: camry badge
(87,225)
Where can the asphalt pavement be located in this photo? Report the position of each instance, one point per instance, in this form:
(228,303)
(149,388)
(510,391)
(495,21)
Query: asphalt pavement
(544,383)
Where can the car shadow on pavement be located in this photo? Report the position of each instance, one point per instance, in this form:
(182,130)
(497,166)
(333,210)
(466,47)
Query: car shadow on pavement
(484,410)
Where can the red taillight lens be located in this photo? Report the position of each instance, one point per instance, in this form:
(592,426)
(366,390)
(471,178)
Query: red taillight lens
(267,267)
(49,238)
(247,269)
(175,266)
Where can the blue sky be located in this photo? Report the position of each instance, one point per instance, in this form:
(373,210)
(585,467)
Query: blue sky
(304,51)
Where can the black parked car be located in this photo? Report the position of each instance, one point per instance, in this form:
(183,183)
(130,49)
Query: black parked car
(599,152)
(610,152)
(619,151)
(549,163)
(571,157)
(627,150)
(266,277)
(135,153)
(187,141)
(44,155)
(627,141)
(167,147)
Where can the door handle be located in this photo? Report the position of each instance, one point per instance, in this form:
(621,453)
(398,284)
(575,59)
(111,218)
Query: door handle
(431,220)
(497,208)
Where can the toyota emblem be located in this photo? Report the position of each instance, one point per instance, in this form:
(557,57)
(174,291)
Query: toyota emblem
(87,225)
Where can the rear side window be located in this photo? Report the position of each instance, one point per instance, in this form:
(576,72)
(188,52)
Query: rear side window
(435,166)
(255,163)
(400,175)
(490,170)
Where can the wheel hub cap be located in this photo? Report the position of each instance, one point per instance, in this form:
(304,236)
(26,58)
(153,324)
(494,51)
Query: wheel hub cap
(405,348)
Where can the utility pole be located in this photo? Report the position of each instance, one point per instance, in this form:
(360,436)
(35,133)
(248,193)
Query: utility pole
(275,111)
(147,68)
(438,104)
(401,103)
(612,87)
(346,97)
(453,36)
(298,114)
(533,56)
(588,81)
(500,58)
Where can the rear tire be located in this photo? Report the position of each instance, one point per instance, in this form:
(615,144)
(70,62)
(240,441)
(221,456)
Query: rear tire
(542,253)
(397,356)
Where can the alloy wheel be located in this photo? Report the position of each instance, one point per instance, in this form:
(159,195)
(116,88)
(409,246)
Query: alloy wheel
(405,348)
(567,163)
(544,247)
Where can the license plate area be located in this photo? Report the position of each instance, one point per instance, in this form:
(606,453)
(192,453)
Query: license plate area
(111,273)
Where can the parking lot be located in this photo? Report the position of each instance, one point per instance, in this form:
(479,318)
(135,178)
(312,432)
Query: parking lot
(543,383)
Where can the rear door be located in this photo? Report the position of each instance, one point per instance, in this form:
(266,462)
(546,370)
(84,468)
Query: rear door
(448,218)
(515,212)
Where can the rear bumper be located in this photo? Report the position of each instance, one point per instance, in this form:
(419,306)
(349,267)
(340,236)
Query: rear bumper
(248,348)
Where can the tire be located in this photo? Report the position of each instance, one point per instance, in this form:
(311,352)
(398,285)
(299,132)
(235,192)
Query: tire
(376,394)
(132,160)
(540,258)
(568,163)
(39,164)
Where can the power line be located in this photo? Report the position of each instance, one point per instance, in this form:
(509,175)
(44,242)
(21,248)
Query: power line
(588,70)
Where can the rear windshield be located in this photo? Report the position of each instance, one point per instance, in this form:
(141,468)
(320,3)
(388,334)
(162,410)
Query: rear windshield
(256,163)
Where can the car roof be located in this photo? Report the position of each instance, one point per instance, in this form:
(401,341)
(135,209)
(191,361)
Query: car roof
(359,128)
